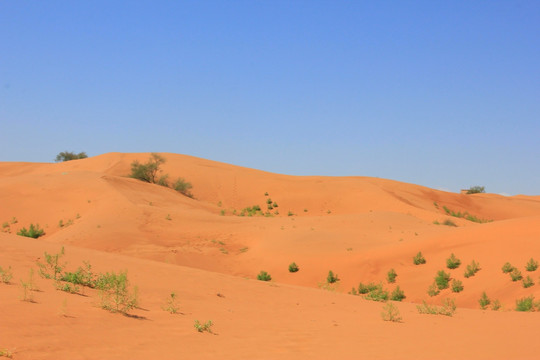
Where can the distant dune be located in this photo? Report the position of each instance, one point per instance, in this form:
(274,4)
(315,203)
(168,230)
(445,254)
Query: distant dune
(358,227)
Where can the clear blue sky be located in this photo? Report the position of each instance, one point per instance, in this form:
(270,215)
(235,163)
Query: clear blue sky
(444,94)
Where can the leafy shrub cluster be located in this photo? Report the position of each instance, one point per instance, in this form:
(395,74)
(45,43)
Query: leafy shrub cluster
(419,259)
(531,265)
(456,286)
(484,301)
(447,309)
(264,276)
(293,267)
(207,326)
(115,293)
(331,278)
(69,155)
(453,262)
(465,215)
(34,231)
(472,269)
(150,170)
(442,279)
(391,313)
(476,190)
(391,276)
(6,275)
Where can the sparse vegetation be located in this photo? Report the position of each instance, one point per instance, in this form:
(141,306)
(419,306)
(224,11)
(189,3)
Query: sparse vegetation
(264,276)
(69,155)
(507,268)
(53,266)
(433,289)
(525,304)
(331,278)
(453,262)
(115,293)
(6,275)
(391,276)
(448,308)
(419,259)
(293,267)
(442,279)
(515,275)
(377,294)
(148,171)
(484,301)
(183,187)
(397,294)
(495,305)
(254,210)
(83,276)
(364,289)
(28,287)
(472,269)
(67,287)
(6,353)
(528,282)
(207,326)
(171,304)
(531,265)
(456,286)
(34,231)
(465,215)
(476,190)
(391,313)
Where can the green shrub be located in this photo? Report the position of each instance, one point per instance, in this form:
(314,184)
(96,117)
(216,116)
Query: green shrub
(391,276)
(183,187)
(83,276)
(515,275)
(472,269)
(293,267)
(264,276)
(391,313)
(6,275)
(495,305)
(377,294)
(528,282)
(433,290)
(163,180)
(397,294)
(68,155)
(507,268)
(476,190)
(532,265)
(147,172)
(442,279)
(53,266)
(525,304)
(364,289)
(419,259)
(457,286)
(115,293)
(67,287)
(484,301)
(331,278)
(33,231)
(171,304)
(453,262)
(203,327)
(251,211)
(448,308)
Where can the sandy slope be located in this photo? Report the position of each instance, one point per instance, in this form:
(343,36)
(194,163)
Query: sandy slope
(358,227)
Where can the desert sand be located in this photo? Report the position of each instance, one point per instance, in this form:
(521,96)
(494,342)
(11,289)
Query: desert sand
(201,249)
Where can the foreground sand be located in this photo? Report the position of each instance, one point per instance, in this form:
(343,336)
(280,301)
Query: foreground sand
(358,227)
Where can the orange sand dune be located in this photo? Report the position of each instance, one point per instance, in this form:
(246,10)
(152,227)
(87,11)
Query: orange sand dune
(358,227)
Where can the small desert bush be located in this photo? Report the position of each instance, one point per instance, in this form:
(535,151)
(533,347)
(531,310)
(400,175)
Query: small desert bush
(507,268)
(69,155)
(364,289)
(6,275)
(472,269)
(484,301)
(525,304)
(53,265)
(495,305)
(183,187)
(528,282)
(456,286)
(531,265)
(476,190)
(82,276)
(28,287)
(419,259)
(391,313)
(251,211)
(377,294)
(391,276)
(148,171)
(171,304)
(433,289)
(293,267)
(447,309)
(331,278)
(34,231)
(115,293)
(453,262)
(6,353)
(207,326)
(442,279)
(397,294)
(264,276)
(67,287)
(515,275)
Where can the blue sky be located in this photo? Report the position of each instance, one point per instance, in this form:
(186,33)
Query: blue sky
(444,94)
